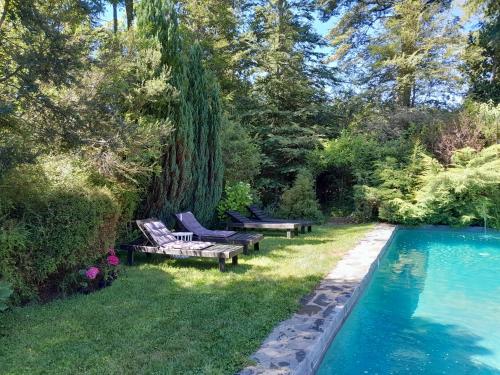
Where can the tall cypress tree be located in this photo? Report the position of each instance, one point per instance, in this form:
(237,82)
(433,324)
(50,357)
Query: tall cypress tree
(192,171)
(215,172)
(167,194)
(207,118)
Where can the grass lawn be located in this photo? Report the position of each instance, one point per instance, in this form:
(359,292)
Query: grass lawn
(173,316)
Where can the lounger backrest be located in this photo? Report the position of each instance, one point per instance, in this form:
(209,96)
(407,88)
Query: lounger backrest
(189,222)
(156,232)
(234,215)
(257,212)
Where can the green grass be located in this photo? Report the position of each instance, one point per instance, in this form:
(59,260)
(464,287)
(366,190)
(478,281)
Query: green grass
(173,316)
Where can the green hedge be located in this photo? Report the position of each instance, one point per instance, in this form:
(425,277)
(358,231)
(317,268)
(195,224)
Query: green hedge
(52,221)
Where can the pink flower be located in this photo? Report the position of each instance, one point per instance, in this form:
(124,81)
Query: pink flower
(92,273)
(113,260)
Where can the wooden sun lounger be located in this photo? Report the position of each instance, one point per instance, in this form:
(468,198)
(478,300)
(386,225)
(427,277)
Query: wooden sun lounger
(161,241)
(258,214)
(239,221)
(188,222)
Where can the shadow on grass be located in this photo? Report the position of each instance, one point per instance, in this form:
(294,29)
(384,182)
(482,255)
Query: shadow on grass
(150,322)
(178,316)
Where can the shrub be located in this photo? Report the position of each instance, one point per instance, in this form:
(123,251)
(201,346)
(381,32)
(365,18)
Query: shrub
(300,200)
(366,203)
(467,193)
(241,155)
(5,293)
(236,197)
(55,221)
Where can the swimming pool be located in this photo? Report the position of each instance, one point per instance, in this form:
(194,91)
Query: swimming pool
(432,307)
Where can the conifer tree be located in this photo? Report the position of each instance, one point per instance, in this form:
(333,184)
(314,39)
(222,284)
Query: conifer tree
(169,190)
(402,51)
(483,52)
(286,115)
(300,201)
(192,171)
(204,96)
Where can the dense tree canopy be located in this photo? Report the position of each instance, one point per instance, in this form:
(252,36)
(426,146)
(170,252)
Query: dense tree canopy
(403,51)
(174,99)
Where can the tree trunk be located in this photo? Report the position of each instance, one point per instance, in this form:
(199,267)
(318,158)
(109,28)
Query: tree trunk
(406,75)
(129,9)
(405,95)
(115,16)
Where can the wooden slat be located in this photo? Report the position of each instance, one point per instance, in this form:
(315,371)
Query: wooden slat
(215,251)
(238,239)
(265,225)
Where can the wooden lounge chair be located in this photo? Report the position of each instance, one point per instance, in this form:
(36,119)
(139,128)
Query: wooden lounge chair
(187,221)
(258,214)
(237,220)
(161,241)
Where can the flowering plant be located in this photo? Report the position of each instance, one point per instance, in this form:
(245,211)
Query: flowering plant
(101,274)
(113,260)
(92,273)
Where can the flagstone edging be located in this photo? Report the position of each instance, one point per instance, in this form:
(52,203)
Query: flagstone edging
(297,345)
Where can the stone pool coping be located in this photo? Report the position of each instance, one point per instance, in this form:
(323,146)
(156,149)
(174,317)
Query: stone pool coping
(297,345)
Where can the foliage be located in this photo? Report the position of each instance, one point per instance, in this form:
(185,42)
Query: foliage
(487,118)
(236,198)
(475,126)
(289,105)
(356,154)
(403,51)
(482,57)
(214,24)
(299,201)
(241,154)
(196,306)
(467,193)
(54,220)
(5,293)
(192,169)
(43,46)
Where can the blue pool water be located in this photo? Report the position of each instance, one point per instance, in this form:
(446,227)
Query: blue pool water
(432,307)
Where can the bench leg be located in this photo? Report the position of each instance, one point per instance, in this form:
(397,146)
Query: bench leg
(235,260)
(309,228)
(222,264)
(256,246)
(245,249)
(303,228)
(130,257)
(296,231)
(288,234)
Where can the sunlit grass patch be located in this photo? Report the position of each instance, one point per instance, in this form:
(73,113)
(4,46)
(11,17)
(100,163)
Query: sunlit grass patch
(175,316)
